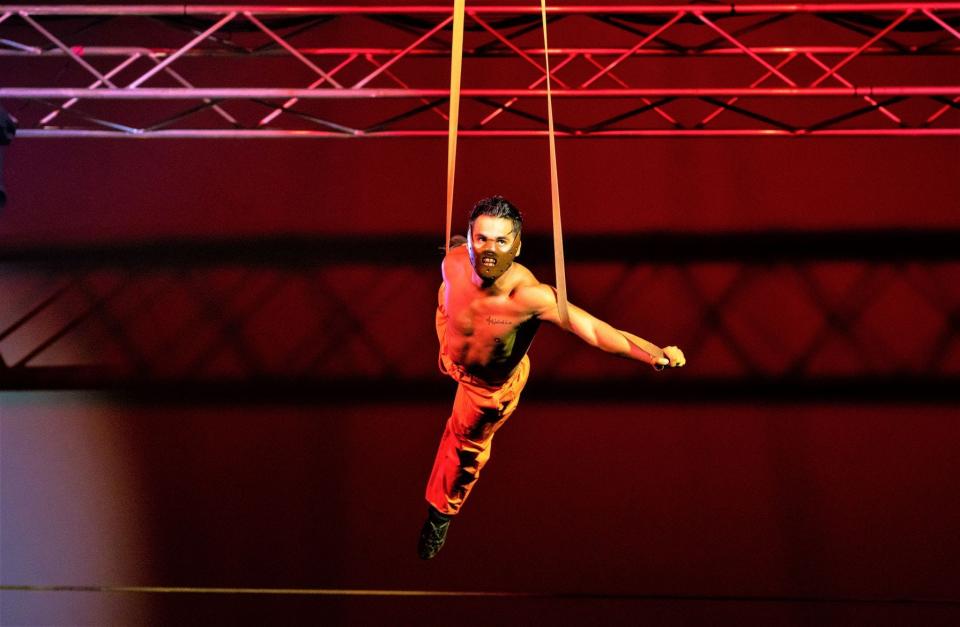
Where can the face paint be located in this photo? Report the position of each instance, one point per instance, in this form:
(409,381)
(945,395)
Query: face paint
(491,263)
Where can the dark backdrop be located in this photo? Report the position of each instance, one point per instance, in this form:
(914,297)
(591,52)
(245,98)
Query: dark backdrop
(657,485)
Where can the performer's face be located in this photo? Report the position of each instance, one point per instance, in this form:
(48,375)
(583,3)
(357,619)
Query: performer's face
(493,246)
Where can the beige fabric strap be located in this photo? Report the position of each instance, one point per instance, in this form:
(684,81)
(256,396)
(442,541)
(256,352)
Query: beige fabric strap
(456,63)
(555,187)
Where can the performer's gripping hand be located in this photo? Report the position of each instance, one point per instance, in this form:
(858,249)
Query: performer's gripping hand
(672,358)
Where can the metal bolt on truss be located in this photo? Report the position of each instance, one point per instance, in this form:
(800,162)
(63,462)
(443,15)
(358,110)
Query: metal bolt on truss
(851,69)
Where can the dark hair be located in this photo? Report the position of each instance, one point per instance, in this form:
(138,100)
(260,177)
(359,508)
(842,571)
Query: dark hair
(498,207)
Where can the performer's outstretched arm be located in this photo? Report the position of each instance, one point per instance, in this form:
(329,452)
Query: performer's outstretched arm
(543,302)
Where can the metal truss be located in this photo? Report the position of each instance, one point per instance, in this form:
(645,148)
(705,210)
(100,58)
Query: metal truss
(804,315)
(731,70)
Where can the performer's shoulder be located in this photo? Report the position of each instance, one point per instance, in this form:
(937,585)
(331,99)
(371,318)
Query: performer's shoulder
(456,257)
(523,274)
(526,284)
(534,298)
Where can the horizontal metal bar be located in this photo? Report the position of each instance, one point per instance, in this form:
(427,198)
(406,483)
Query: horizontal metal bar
(560,595)
(724,9)
(411,134)
(123,51)
(505,134)
(183,93)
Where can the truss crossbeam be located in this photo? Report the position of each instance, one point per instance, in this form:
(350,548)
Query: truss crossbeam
(178,93)
(250,310)
(123,51)
(731,8)
(858,69)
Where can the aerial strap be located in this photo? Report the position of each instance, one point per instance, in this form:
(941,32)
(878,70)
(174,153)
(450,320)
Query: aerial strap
(554,187)
(456,63)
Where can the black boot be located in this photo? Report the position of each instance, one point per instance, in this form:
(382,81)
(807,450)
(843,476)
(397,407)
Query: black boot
(433,534)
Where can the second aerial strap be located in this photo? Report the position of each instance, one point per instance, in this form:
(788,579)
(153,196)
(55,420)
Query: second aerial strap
(456,63)
(554,187)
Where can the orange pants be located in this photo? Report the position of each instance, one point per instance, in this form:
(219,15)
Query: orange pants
(479,409)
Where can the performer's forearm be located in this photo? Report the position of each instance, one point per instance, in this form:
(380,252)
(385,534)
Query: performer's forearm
(650,352)
(613,340)
(607,338)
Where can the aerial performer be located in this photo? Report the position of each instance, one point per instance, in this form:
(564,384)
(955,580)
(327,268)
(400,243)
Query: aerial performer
(489,309)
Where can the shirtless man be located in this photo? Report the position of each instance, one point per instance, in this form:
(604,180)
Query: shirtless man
(488,312)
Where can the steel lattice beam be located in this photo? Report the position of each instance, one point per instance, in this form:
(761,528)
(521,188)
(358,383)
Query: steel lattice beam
(850,69)
(287,312)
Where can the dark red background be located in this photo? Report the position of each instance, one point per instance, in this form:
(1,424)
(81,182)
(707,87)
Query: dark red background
(803,498)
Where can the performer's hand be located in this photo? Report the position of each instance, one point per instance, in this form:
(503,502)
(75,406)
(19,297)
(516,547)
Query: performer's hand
(672,358)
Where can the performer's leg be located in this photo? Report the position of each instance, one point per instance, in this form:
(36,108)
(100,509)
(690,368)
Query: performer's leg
(478,411)
(464,450)
(468,437)
(455,469)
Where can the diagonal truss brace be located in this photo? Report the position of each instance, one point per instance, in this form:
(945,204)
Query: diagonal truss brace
(650,109)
